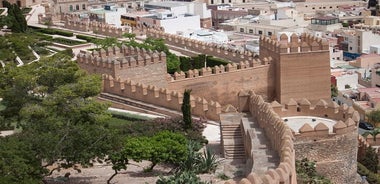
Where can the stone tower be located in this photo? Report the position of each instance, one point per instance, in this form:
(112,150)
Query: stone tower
(302,66)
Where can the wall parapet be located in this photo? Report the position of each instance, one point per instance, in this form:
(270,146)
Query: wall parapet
(75,23)
(231,67)
(304,43)
(122,57)
(321,109)
(213,49)
(160,97)
(281,139)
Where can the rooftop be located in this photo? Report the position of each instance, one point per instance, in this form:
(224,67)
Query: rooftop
(296,122)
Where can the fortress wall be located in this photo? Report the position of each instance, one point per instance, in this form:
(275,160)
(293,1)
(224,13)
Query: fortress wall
(334,152)
(302,66)
(160,96)
(75,23)
(136,64)
(202,47)
(281,139)
(223,86)
(323,109)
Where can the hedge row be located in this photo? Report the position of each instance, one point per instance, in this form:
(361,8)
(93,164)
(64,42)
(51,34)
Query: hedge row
(52,31)
(372,178)
(67,41)
(87,38)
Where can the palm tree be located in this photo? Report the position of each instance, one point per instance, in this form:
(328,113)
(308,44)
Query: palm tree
(373,132)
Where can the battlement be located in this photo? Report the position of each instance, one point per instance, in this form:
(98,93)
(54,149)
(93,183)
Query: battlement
(160,97)
(231,67)
(202,47)
(124,57)
(306,43)
(322,129)
(281,139)
(322,109)
(75,23)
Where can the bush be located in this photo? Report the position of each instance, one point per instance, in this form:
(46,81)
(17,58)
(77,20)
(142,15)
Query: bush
(87,38)
(181,178)
(372,178)
(67,41)
(52,31)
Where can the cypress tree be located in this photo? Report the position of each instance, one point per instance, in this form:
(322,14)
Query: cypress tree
(186,110)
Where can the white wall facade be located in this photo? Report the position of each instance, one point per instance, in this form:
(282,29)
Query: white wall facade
(347,79)
(180,24)
(374,49)
(113,17)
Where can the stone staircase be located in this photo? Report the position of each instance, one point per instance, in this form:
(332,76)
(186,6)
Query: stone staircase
(232,141)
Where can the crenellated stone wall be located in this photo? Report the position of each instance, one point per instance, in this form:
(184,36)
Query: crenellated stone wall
(126,62)
(302,66)
(73,22)
(213,49)
(223,83)
(334,148)
(160,97)
(335,151)
(281,140)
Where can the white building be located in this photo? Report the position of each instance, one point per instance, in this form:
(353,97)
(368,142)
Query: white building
(109,15)
(374,49)
(170,23)
(345,79)
(181,8)
(360,40)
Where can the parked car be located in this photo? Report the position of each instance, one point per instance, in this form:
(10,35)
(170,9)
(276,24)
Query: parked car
(365,126)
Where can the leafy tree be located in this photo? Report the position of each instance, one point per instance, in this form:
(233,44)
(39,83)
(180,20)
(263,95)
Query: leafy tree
(15,16)
(107,42)
(18,164)
(334,91)
(164,147)
(374,117)
(186,109)
(51,101)
(130,36)
(370,160)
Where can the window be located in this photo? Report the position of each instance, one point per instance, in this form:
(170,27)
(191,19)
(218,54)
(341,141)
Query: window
(83,6)
(350,48)
(251,31)
(260,32)
(242,30)
(229,1)
(71,8)
(77,7)
(212,1)
(243,1)
(313,8)
(222,1)
(269,33)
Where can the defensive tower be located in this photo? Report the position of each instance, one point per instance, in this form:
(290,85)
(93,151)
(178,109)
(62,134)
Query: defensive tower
(301,66)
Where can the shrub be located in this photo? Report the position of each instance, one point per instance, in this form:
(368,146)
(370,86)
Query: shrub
(208,162)
(372,178)
(164,147)
(186,177)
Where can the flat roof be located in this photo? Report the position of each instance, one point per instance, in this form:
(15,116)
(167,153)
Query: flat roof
(169,4)
(296,122)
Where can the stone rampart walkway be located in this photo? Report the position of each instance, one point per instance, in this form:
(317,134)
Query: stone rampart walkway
(264,157)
